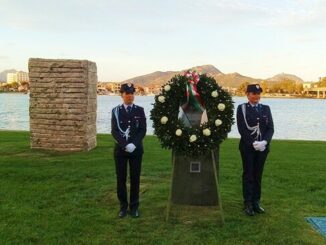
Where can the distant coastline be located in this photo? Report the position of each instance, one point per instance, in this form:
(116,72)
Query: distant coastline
(278,96)
(282,85)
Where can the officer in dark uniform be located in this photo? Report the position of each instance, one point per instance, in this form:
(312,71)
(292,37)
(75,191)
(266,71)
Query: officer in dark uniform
(128,127)
(255,125)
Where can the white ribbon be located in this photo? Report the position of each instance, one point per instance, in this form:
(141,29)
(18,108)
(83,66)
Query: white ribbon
(254,129)
(123,133)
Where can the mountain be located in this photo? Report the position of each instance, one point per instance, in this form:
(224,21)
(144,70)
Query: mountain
(3,74)
(158,78)
(234,80)
(208,69)
(284,76)
(152,79)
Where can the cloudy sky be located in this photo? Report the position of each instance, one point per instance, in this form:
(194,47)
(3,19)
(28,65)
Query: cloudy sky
(130,38)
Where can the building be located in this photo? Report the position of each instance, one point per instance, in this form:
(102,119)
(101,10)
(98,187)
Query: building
(307,85)
(117,87)
(22,77)
(114,87)
(11,77)
(18,77)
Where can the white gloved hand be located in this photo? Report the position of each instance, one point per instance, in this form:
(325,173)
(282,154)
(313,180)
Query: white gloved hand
(260,145)
(263,144)
(130,148)
(255,145)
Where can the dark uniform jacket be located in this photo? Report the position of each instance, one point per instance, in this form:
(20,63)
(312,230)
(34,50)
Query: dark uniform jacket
(263,117)
(136,121)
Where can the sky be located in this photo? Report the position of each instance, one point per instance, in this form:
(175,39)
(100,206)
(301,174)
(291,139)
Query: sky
(130,38)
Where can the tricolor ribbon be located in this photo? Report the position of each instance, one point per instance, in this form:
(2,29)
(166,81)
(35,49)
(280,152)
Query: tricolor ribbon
(193,97)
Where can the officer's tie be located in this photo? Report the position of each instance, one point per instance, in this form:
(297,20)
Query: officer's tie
(129,109)
(256,108)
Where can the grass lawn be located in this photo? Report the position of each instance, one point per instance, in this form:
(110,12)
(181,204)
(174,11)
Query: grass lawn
(51,198)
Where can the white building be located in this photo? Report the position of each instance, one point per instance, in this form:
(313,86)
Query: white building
(307,85)
(18,77)
(22,76)
(11,77)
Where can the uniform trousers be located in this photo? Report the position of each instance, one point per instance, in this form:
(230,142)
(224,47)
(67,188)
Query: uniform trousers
(253,165)
(122,158)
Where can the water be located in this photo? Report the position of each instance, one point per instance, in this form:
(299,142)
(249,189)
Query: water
(302,119)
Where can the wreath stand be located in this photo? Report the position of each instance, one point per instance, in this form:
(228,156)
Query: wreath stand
(195,180)
(192,116)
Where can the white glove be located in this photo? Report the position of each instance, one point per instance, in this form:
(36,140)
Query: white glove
(255,145)
(130,148)
(260,145)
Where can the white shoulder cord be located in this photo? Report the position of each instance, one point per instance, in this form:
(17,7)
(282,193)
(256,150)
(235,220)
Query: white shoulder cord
(123,133)
(255,129)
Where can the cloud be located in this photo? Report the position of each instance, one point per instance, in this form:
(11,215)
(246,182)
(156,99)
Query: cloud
(155,17)
(284,14)
(299,14)
(4,57)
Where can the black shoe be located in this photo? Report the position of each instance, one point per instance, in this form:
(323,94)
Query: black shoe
(122,214)
(134,213)
(258,209)
(248,209)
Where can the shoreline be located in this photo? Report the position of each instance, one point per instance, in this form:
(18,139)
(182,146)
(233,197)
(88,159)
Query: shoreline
(262,96)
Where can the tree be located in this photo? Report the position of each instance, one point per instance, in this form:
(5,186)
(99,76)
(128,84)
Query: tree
(140,90)
(242,88)
(322,82)
(14,85)
(264,86)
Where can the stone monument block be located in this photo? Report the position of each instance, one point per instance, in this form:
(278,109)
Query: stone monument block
(62,104)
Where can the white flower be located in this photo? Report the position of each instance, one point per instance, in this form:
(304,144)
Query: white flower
(218,122)
(214,94)
(193,138)
(164,120)
(178,132)
(221,106)
(161,99)
(167,88)
(206,132)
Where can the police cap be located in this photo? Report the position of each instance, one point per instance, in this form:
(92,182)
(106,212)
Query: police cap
(127,88)
(254,88)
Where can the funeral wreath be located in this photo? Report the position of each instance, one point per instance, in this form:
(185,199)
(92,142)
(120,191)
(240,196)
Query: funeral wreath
(201,93)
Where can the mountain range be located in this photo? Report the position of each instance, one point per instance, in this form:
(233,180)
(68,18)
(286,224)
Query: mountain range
(158,78)
(224,79)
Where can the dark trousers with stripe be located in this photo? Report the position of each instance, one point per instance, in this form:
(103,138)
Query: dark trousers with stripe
(122,159)
(253,165)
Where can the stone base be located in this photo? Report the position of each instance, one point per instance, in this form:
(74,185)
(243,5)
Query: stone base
(195,180)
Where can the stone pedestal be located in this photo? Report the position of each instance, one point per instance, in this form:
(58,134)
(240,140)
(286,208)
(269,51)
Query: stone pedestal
(194,179)
(62,104)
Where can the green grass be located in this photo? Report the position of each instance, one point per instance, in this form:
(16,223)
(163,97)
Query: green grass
(51,198)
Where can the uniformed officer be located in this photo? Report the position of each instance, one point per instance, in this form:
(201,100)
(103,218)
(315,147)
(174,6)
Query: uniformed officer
(128,127)
(255,125)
